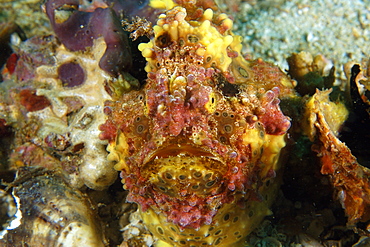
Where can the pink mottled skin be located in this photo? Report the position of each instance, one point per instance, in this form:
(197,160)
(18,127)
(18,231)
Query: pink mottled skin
(274,121)
(179,113)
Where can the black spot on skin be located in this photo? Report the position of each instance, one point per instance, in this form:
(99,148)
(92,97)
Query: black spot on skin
(163,40)
(226,87)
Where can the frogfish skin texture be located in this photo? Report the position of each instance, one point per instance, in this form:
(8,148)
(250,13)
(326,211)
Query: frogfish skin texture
(199,145)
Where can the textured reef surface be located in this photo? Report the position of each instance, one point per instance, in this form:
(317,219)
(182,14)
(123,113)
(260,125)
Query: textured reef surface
(142,123)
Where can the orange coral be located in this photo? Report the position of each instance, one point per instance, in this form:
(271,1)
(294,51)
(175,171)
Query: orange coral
(350,179)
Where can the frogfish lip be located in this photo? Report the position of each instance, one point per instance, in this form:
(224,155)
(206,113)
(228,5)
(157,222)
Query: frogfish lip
(184,170)
(180,149)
